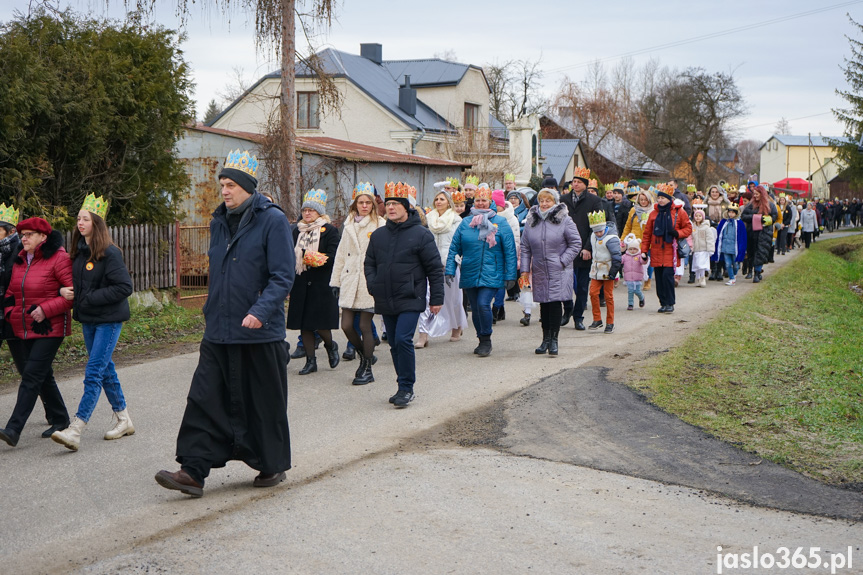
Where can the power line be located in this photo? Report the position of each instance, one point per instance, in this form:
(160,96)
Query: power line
(707,36)
(789,119)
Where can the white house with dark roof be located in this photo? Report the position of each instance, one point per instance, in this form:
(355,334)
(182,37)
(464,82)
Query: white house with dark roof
(408,106)
(784,156)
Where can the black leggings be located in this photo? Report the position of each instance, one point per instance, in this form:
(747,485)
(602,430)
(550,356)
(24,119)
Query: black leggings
(366,343)
(550,314)
(309,340)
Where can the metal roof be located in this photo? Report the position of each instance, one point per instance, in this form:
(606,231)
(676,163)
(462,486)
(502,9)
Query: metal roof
(818,141)
(497,129)
(335,148)
(558,154)
(427,73)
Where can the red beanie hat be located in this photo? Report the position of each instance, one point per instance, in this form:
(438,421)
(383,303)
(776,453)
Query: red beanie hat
(35,224)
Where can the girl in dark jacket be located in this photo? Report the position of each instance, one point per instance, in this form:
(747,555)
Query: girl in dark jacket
(100,288)
(314,307)
(39,317)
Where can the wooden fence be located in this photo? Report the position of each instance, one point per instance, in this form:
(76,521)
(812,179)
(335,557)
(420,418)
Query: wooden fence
(149,251)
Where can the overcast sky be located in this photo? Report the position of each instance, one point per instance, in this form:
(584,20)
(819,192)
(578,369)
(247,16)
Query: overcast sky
(785,64)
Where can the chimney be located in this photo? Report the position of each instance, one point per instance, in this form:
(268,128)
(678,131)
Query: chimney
(373,52)
(408,97)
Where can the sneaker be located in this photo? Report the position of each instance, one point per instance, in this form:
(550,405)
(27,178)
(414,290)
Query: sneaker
(403,398)
(730,282)
(595,325)
(609,328)
(641,303)
(393,398)
(629,308)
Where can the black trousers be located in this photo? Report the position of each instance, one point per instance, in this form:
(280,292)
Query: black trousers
(34,359)
(664,285)
(550,314)
(581,283)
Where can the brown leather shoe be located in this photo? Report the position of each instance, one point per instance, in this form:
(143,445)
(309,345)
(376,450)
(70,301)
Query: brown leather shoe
(269,479)
(180,481)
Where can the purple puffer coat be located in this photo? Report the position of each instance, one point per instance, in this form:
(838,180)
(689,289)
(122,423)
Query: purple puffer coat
(548,248)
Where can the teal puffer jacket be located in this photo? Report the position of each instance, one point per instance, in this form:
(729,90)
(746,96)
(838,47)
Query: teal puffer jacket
(482,265)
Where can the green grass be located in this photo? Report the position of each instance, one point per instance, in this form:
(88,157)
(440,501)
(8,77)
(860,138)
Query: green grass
(147,331)
(779,372)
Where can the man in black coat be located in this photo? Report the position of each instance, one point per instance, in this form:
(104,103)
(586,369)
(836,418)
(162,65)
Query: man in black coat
(237,404)
(621,208)
(401,260)
(580,203)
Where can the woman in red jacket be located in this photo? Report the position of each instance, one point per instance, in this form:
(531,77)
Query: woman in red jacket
(40,319)
(666,224)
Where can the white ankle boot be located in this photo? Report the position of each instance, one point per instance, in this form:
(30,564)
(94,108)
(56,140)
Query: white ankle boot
(71,436)
(122,426)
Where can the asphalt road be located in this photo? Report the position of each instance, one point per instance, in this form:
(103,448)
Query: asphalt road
(449,485)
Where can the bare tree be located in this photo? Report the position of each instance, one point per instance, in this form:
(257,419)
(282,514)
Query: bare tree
(499,78)
(449,55)
(275,22)
(515,89)
(749,152)
(783,127)
(235,87)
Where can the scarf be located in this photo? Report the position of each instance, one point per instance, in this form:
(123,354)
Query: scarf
(544,214)
(310,235)
(482,220)
(663,225)
(442,224)
(714,208)
(6,246)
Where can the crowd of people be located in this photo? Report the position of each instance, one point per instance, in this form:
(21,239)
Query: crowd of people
(424,271)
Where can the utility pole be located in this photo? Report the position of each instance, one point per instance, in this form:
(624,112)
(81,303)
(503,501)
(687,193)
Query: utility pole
(288,113)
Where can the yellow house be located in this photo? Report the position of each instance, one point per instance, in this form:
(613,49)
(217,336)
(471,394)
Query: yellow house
(408,106)
(794,157)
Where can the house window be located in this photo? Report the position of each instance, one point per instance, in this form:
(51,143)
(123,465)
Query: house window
(471,116)
(307,110)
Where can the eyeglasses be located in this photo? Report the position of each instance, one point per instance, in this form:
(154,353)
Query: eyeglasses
(28,234)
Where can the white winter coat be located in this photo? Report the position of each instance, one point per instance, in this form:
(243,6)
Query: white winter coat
(509,214)
(443,228)
(348,268)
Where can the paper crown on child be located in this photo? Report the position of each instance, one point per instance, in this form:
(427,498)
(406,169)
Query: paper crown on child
(733,207)
(691,188)
(608,187)
(631,241)
(633,191)
(596,218)
(412,196)
(9,214)
(243,161)
(453,182)
(592,184)
(458,197)
(509,177)
(471,181)
(96,205)
(699,206)
(364,188)
(583,173)
(396,190)
(619,186)
(315,200)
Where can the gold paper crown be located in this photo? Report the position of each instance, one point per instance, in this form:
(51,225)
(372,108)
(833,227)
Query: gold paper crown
(243,161)
(665,188)
(458,197)
(596,218)
(396,190)
(412,192)
(9,214)
(581,173)
(608,187)
(453,182)
(734,207)
(483,193)
(363,188)
(620,186)
(318,196)
(509,177)
(592,184)
(474,180)
(96,205)
(691,188)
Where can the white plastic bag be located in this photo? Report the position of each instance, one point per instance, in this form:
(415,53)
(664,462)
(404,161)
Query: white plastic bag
(525,299)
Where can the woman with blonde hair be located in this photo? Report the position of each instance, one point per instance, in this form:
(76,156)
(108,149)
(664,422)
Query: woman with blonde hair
(443,221)
(348,280)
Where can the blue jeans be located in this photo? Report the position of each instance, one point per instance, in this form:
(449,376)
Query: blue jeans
(634,289)
(480,306)
(730,265)
(100,339)
(400,335)
(499,297)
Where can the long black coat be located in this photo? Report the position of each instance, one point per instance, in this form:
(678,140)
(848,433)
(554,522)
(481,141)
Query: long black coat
(760,242)
(102,287)
(399,260)
(8,262)
(578,208)
(313,305)
(621,214)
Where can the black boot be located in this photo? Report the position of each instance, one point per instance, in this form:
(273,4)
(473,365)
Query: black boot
(501,313)
(546,341)
(365,375)
(493,315)
(310,367)
(525,321)
(299,352)
(552,346)
(691,278)
(757,278)
(484,349)
(567,313)
(360,366)
(333,354)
